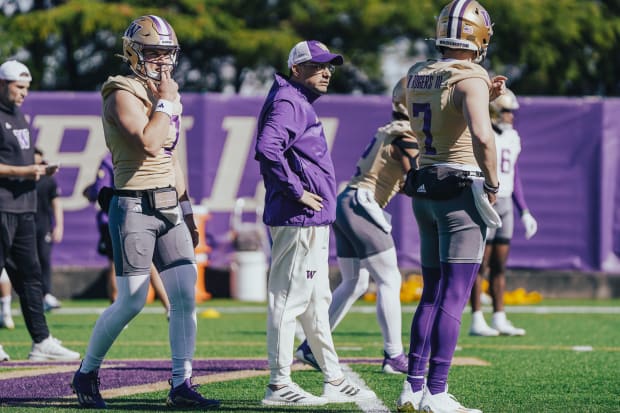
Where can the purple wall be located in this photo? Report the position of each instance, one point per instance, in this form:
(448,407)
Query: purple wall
(569,166)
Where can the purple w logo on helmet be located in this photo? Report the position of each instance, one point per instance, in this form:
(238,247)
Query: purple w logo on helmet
(132,29)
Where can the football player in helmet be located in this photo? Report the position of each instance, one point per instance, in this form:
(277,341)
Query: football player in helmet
(448,103)
(150,216)
(497,247)
(150,47)
(364,234)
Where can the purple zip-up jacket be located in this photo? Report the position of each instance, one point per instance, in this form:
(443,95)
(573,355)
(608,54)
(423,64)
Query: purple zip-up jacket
(293,156)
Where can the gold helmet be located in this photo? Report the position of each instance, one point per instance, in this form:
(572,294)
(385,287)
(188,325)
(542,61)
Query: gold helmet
(505,102)
(150,33)
(464,24)
(399,102)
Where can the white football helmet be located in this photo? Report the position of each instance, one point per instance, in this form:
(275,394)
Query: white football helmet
(150,33)
(507,101)
(464,24)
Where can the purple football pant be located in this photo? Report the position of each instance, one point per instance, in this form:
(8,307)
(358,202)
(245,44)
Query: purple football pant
(437,321)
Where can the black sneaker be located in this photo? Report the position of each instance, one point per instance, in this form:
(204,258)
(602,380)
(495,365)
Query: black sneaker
(86,387)
(185,395)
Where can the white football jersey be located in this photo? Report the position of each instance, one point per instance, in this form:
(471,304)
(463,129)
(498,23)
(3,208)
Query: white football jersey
(508,144)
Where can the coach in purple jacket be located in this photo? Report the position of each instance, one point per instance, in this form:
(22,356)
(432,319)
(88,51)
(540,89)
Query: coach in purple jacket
(299,208)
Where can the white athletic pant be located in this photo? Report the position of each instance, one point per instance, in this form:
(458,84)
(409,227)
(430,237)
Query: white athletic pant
(383,268)
(299,287)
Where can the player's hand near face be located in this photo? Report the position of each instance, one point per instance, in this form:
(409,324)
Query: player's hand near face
(167,88)
(498,87)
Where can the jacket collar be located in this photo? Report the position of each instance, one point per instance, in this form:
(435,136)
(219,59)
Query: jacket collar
(8,109)
(285,81)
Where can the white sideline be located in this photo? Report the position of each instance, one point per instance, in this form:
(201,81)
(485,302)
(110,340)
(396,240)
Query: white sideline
(367,406)
(409,309)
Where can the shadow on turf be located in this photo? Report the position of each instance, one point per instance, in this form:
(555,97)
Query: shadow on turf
(150,405)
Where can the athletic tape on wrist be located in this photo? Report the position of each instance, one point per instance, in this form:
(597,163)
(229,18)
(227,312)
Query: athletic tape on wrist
(491,189)
(164,106)
(186,208)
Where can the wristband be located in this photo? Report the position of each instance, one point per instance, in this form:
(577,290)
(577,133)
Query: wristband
(491,189)
(186,208)
(164,106)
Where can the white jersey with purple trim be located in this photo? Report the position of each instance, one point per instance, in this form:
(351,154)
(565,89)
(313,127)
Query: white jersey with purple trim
(508,144)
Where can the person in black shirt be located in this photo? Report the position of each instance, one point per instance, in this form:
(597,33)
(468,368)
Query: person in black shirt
(18,202)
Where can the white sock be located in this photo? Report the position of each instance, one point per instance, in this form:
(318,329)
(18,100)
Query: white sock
(5,302)
(477,317)
(499,317)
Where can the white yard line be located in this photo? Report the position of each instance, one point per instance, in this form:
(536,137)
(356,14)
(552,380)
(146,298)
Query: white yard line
(367,406)
(530,309)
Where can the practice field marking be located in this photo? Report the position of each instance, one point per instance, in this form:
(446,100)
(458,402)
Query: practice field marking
(34,371)
(375,405)
(526,309)
(163,385)
(27,382)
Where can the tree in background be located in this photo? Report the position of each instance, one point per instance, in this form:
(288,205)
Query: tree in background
(551,47)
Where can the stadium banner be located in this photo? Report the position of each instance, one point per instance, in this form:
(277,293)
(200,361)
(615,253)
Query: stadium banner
(568,164)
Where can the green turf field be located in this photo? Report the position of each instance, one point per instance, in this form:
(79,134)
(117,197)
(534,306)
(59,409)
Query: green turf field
(569,361)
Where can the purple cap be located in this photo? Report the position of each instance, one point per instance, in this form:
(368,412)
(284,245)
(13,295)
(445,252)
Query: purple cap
(312,51)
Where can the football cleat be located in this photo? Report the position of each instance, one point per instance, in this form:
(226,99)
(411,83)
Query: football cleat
(346,392)
(186,396)
(506,328)
(304,354)
(291,395)
(409,401)
(479,326)
(396,365)
(443,403)
(86,388)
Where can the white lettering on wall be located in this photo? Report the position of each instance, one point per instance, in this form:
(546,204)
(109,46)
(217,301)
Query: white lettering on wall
(51,132)
(240,133)
(238,146)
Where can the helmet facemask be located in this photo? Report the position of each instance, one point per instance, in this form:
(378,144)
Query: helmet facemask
(152,60)
(150,46)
